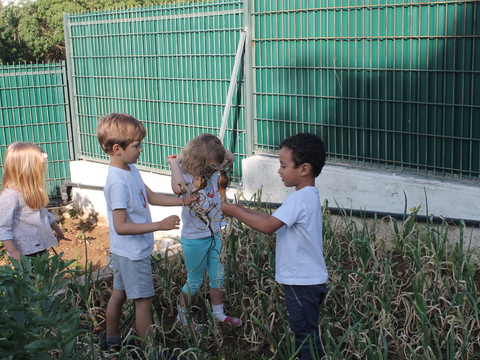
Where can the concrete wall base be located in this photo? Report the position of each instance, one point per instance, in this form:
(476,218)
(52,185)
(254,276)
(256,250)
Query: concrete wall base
(342,186)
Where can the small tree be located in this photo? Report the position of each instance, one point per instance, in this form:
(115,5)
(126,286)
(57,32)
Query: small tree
(33,30)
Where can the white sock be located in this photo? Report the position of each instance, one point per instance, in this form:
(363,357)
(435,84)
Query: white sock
(218,312)
(181,315)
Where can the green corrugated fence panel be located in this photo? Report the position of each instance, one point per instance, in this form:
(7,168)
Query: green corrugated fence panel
(168,66)
(388,84)
(33,107)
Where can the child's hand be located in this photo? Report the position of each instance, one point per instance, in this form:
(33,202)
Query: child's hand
(191,199)
(227,208)
(169,223)
(61,236)
(15,254)
(11,249)
(173,158)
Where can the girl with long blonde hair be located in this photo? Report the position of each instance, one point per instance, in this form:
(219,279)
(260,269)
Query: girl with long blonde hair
(25,224)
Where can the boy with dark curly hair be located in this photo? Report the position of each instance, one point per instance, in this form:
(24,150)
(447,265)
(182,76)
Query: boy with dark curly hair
(300,264)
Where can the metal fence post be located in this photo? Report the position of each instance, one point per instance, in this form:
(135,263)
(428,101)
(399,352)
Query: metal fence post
(249,63)
(71,88)
(68,112)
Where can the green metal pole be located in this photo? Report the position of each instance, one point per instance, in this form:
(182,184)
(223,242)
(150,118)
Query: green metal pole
(250,112)
(71,88)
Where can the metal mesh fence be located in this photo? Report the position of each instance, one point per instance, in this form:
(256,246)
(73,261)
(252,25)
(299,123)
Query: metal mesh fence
(388,84)
(167,66)
(34,108)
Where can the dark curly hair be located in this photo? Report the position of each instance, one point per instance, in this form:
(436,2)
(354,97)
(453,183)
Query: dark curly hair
(306,148)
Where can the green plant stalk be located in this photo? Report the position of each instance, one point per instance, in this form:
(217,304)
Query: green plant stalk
(270,336)
(368,301)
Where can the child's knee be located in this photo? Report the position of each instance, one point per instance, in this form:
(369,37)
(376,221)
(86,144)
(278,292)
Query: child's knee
(191,289)
(118,296)
(143,304)
(217,283)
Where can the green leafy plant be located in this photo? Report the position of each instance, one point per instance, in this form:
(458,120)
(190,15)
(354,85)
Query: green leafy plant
(72,212)
(38,317)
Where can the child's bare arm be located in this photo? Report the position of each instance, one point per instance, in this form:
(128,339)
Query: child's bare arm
(164,200)
(262,222)
(251,211)
(229,157)
(12,249)
(58,232)
(177,176)
(122,227)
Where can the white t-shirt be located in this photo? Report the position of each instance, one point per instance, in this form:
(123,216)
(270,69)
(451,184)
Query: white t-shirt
(126,190)
(192,226)
(299,247)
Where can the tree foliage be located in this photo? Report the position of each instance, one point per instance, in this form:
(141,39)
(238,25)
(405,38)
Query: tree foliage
(32,31)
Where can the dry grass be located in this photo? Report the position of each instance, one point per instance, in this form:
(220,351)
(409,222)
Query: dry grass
(417,298)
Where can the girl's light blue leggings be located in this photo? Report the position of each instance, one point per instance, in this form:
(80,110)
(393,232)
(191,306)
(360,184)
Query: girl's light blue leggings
(200,255)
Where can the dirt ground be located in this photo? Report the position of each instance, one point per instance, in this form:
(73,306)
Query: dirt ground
(89,242)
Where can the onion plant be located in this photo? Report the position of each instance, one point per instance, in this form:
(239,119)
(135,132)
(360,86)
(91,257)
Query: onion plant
(410,294)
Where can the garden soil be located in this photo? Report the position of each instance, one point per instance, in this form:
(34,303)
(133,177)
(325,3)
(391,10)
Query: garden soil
(89,241)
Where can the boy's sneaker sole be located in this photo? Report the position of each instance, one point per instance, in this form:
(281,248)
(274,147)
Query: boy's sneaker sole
(112,350)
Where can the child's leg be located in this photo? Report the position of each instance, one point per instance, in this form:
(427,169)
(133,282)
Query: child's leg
(115,304)
(135,276)
(217,304)
(218,309)
(184,299)
(114,312)
(217,296)
(216,275)
(194,253)
(303,305)
(143,317)
(215,270)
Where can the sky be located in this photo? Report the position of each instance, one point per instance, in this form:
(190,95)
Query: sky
(6,2)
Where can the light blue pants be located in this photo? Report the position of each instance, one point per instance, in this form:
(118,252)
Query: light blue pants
(202,255)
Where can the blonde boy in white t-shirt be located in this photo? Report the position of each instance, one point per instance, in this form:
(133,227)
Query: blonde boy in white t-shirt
(130,224)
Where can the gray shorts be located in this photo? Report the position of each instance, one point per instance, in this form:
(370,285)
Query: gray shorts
(133,276)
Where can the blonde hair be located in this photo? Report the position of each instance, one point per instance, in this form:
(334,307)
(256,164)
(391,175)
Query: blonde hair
(24,171)
(200,152)
(121,129)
